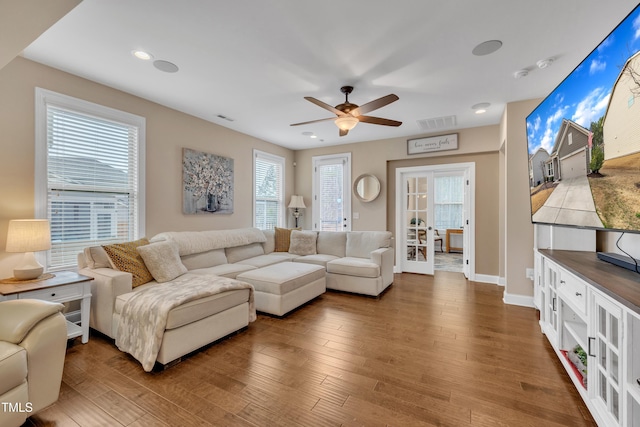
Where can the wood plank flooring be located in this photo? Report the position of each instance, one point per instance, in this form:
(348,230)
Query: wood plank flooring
(432,351)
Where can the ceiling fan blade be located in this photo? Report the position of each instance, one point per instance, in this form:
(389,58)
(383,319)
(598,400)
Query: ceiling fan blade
(374,105)
(379,121)
(343,132)
(325,106)
(313,121)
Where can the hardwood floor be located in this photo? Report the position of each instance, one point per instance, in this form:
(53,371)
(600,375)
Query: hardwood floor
(431,351)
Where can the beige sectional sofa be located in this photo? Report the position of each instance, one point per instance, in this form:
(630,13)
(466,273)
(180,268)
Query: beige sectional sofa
(359,262)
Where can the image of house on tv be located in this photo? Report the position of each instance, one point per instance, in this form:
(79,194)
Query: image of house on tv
(621,125)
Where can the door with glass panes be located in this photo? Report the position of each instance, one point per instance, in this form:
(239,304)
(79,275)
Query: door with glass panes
(417,222)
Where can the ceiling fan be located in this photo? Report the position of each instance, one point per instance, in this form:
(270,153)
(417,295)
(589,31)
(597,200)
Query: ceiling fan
(349,115)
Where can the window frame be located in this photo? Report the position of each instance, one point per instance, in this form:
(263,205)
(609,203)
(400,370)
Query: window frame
(259,154)
(44,98)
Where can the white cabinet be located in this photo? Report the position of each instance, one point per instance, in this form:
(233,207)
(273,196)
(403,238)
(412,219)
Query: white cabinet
(605,358)
(592,309)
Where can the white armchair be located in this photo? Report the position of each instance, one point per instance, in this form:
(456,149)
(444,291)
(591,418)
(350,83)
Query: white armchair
(33,340)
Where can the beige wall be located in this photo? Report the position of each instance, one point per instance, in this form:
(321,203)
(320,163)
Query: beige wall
(518,229)
(479,144)
(167,132)
(22,21)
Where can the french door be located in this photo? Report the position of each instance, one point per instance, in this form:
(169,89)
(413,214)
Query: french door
(417,222)
(415,217)
(331,210)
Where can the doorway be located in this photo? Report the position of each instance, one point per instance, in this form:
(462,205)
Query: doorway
(427,218)
(331,188)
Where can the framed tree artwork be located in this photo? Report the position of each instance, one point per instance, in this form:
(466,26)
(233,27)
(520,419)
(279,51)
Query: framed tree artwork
(207,183)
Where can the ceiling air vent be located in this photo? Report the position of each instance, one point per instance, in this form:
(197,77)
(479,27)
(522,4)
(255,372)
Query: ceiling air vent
(223,117)
(436,123)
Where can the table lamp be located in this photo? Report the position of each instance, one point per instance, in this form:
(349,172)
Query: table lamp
(28,236)
(296,204)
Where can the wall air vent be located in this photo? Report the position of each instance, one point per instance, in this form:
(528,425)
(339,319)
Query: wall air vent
(436,123)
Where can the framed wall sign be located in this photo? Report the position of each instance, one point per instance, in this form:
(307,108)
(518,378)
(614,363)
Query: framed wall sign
(432,143)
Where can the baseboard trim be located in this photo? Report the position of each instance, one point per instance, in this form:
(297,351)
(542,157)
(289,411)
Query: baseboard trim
(486,278)
(502,282)
(520,300)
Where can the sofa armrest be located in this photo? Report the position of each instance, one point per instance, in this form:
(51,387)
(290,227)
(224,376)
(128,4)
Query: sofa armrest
(107,285)
(19,317)
(384,258)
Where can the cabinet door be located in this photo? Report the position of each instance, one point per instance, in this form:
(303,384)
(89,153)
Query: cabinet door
(605,363)
(551,278)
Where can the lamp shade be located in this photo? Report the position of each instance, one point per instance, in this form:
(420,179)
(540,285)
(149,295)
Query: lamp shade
(28,235)
(297,202)
(346,122)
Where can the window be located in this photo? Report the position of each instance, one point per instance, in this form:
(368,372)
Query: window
(332,192)
(448,202)
(550,169)
(268,182)
(89,175)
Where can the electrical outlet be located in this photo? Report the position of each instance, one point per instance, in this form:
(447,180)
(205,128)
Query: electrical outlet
(529,273)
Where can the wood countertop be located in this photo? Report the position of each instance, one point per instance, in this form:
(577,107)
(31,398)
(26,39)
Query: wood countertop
(618,283)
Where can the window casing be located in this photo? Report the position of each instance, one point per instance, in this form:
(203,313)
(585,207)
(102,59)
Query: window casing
(268,185)
(89,175)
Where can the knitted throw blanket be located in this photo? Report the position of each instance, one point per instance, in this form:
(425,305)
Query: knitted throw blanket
(194,242)
(144,316)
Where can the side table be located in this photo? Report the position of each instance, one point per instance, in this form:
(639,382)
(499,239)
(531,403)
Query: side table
(451,231)
(65,286)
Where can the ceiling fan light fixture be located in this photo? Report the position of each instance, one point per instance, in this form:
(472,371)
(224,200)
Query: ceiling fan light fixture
(346,122)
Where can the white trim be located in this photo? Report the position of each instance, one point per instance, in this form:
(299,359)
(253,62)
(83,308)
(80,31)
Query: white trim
(282,221)
(469,168)
(44,97)
(315,206)
(520,300)
(487,278)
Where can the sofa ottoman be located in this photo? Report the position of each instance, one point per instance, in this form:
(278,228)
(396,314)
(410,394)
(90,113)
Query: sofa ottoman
(280,288)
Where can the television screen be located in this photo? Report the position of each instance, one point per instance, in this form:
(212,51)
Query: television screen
(584,139)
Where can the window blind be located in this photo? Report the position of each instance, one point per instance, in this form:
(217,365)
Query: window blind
(449,201)
(331,196)
(269,184)
(92,183)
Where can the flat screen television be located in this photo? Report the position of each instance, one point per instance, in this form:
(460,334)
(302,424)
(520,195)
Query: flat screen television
(584,140)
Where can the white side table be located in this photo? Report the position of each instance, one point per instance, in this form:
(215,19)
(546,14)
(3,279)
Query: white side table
(65,286)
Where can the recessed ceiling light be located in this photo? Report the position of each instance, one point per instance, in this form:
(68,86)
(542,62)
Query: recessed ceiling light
(166,66)
(486,48)
(544,63)
(520,74)
(141,54)
(481,106)
(312,136)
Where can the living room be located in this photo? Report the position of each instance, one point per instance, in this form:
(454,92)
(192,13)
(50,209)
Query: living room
(504,235)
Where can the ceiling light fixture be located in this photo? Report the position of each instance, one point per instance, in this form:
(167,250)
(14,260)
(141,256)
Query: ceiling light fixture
(481,108)
(520,74)
(141,54)
(346,122)
(544,63)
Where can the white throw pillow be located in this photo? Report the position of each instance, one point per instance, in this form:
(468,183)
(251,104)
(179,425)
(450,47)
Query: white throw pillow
(303,242)
(163,261)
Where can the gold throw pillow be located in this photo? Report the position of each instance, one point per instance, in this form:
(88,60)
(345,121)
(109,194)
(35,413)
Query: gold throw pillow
(125,257)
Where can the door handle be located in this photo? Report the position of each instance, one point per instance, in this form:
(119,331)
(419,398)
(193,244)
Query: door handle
(429,228)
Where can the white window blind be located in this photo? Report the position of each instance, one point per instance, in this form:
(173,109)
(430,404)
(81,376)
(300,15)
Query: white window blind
(449,201)
(269,188)
(93,182)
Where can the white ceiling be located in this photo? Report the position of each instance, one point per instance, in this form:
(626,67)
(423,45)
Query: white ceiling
(254,61)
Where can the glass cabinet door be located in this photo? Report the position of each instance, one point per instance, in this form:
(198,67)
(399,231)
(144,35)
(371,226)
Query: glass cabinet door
(551,302)
(605,364)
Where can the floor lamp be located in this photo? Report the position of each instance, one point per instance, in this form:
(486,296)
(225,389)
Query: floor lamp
(296,204)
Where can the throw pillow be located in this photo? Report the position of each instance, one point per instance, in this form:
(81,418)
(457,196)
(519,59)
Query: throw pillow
(282,239)
(125,257)
(303,242)
(163,261)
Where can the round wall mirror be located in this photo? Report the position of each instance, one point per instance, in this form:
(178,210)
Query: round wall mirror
(366,187)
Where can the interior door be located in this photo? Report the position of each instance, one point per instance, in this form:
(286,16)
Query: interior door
(416,239)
